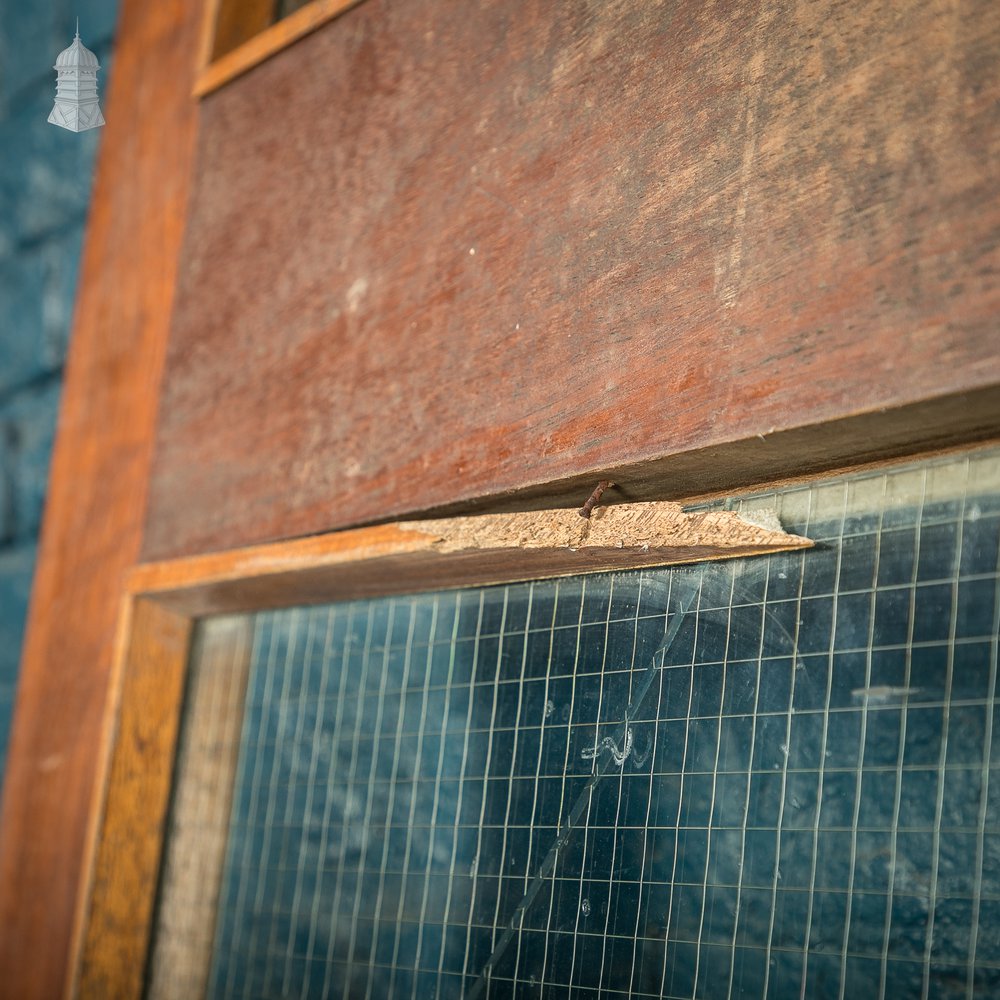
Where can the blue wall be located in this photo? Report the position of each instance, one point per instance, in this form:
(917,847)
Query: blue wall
(45,182)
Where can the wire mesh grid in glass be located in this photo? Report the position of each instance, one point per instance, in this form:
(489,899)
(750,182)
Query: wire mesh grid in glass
(771,777)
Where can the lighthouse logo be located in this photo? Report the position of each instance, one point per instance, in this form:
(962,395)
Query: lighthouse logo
(76,106)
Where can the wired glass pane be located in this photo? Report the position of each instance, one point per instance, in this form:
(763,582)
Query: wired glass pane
(770,777)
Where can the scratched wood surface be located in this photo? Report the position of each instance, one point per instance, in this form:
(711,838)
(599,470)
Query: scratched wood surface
(96,496)
(448,252)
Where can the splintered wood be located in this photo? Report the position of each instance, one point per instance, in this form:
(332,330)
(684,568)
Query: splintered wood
(663,527)
(414,556)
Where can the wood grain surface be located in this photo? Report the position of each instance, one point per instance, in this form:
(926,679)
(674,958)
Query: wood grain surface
(451,255)
(242,35)
(713,243)
(237,21)
(454,552)
(195,844)
(127,865)
(96,497)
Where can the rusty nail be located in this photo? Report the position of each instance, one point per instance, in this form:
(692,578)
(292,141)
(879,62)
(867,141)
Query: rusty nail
(586,509)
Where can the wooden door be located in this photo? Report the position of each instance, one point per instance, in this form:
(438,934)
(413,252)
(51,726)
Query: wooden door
(431,259)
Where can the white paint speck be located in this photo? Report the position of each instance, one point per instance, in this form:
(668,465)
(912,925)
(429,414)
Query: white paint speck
(356,293)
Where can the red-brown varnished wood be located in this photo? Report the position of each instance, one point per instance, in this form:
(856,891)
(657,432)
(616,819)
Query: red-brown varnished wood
(448,253)
(96,499)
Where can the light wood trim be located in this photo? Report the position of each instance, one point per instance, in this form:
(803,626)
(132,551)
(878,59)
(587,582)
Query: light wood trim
(206,37)
(127,865)
(195,842)
(214,73)
(239,21)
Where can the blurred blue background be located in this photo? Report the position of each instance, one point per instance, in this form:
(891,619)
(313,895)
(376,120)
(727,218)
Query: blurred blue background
(46,177)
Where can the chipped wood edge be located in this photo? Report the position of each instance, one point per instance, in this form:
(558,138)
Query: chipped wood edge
(412,556)
(654,524)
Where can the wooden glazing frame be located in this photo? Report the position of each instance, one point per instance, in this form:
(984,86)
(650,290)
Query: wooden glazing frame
(163,600)
(237,35)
